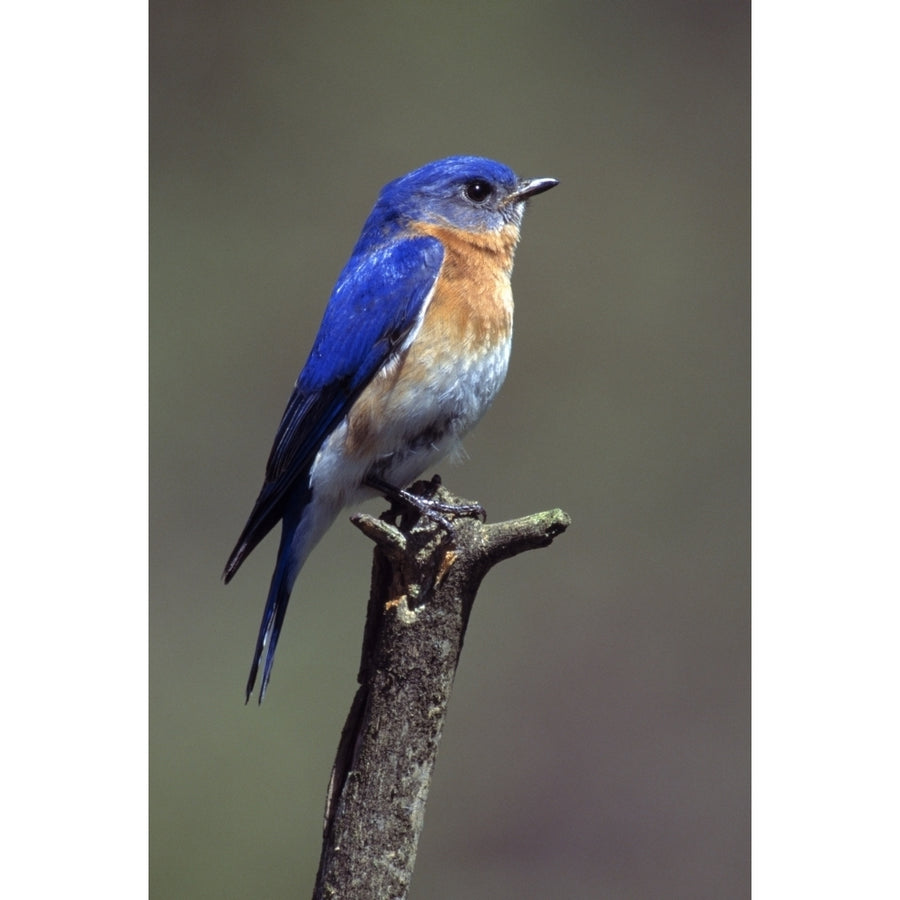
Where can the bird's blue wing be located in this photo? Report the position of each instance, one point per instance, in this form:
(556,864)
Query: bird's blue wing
(374,307)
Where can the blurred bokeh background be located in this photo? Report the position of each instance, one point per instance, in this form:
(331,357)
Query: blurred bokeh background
(599,734)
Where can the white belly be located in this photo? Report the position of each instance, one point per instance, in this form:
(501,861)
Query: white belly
(401,424)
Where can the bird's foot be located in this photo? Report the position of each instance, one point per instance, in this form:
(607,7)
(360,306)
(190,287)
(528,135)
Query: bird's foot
(425,505)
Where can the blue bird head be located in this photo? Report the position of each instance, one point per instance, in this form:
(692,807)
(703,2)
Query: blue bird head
(467,192)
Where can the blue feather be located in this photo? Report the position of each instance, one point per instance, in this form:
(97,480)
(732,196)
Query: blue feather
(372,310)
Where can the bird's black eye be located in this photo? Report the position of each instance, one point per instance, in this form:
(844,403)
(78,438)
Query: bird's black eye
(479,190)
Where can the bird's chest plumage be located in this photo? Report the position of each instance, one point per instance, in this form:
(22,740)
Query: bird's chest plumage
(419,406)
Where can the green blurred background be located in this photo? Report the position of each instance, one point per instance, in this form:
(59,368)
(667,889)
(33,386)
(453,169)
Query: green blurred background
(599,734)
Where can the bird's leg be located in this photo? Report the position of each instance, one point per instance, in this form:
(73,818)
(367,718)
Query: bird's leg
(425,506)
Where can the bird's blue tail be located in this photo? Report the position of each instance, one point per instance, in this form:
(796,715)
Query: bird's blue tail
(272,620)
(305,521)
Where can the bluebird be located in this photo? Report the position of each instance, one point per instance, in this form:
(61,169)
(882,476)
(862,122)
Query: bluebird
(413,347)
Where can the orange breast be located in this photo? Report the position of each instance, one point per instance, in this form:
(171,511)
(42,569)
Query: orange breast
(472,307)
(457,360)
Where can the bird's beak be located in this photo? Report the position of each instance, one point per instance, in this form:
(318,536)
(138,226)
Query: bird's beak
(529,187)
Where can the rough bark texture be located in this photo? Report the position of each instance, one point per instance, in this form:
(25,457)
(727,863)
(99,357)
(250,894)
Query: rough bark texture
(424,583)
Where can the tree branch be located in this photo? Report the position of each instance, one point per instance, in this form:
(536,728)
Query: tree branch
(424,583)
